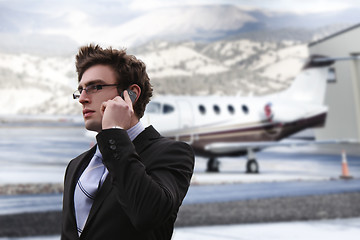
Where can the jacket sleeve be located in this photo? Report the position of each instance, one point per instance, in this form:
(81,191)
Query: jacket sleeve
(151,189)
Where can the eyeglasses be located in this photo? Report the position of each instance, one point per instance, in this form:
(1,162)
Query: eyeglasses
(92,89)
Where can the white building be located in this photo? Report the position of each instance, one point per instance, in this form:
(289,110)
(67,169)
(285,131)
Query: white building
(343,88)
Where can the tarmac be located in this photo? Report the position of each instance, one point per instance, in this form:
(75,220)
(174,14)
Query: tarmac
(347,229)
(292,183)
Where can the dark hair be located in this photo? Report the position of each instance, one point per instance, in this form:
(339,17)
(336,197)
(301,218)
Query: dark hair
(129,70)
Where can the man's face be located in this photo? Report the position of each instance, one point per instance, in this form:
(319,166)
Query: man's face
(96,75)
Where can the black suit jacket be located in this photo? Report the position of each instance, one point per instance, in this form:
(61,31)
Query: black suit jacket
(147,181)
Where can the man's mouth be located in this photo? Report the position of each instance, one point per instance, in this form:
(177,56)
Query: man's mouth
(87,113)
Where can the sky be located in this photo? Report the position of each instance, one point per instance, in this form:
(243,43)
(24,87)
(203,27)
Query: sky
(81,20)
(302,6)
(279,5)
(125,10)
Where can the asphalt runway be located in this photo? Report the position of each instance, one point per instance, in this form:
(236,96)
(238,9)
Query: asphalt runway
(14,204)
(285,164)
(286,172)
(40,155)
(294,184)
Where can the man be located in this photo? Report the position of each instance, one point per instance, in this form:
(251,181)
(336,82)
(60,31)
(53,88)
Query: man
(131,184)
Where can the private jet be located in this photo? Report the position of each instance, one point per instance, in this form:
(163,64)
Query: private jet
(217,126)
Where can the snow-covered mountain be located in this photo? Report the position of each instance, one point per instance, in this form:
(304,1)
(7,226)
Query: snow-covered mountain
(203,23)
(36,84)
(44,85)
(196,50)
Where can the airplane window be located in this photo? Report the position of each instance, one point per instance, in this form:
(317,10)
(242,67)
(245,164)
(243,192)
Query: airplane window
(231,109)
(202,109)
(331,75)
(216,109)
(245,109)
(168,109)
(153,107)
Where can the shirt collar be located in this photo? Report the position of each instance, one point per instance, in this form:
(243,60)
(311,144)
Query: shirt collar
(98,153)
(135,130)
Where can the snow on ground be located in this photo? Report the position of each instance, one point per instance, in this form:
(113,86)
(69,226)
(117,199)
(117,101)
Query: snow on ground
(284,69)
(292,60)
(348,229)
(41,69)
(169,60)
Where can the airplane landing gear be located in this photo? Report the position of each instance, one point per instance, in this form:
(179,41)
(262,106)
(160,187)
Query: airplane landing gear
(252,166)
(213,165)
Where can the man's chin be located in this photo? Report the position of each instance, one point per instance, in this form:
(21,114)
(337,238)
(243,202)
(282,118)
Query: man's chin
(92,126)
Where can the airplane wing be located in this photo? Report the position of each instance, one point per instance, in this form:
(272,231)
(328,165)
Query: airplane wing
(226,147)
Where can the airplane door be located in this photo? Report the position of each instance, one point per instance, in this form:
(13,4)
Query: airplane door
(163,116)
(186,118)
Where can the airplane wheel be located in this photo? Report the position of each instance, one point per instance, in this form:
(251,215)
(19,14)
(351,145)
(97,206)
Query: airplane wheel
(252,166)
(213,165)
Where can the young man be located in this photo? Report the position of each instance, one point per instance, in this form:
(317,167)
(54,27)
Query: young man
(131,184)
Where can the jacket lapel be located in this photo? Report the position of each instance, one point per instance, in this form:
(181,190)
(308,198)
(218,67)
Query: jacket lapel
(79,163)
(99,199)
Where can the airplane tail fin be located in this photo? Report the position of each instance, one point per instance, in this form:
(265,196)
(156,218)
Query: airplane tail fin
(310,84)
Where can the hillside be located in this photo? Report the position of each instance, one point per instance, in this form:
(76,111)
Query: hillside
(197,50)
(35,84)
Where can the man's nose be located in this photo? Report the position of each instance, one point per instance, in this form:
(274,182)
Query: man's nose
(84,97)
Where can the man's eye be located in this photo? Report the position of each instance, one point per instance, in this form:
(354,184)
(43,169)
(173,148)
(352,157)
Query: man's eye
(92,88)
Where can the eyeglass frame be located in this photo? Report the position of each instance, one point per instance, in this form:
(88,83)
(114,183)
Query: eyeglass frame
(92,89)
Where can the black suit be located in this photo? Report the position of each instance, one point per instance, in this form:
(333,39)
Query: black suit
(148,179)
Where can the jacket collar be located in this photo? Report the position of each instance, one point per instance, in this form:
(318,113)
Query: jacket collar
(144,138)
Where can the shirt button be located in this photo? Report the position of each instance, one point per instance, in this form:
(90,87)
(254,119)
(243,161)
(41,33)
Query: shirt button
(112,147)
(112,141)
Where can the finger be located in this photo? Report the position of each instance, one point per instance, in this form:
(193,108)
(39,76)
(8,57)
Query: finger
(127,99)
(118,99)
(103,107)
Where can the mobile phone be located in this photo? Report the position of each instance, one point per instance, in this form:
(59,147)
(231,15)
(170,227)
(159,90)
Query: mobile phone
(132,95)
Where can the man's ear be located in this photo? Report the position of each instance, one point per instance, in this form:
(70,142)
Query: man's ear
(136,89)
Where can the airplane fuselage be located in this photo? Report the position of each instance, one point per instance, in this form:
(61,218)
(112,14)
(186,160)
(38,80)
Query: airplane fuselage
(201,121)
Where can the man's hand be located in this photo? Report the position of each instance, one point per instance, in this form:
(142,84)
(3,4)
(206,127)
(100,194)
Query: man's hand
(117,112)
